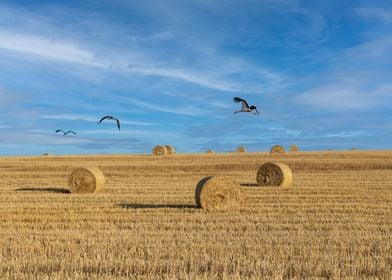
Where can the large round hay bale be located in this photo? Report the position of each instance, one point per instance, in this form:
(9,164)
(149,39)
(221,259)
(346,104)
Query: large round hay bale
(277,149)
(241,149)
(218,193)
(274,174)
(170,150)
(86,180)
(293,148)
(210,152)
(159,150)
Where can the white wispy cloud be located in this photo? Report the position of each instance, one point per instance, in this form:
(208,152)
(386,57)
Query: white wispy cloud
(346,96)
(185,110)
(377,13)
(145,133)
(373,49)
(32,137)
(87,118)
(71,52)
(132,53)
(45,47)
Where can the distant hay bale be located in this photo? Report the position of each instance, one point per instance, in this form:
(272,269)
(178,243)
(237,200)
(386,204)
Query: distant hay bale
(293,148)
(159,150)
(86,180)
(274,174)
(353,149)
(241,149)
(45,154)
(170,150)
(218,193)
(277,149)
(210,152)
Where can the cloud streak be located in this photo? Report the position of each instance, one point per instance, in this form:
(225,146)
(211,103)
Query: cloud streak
(45,47)
(87,118)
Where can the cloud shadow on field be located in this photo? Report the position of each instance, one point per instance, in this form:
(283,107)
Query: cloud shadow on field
(249,185)
(49,190)
(154,206)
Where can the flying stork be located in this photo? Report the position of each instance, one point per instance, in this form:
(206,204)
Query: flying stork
(245,107)
(65,133)
(111,118)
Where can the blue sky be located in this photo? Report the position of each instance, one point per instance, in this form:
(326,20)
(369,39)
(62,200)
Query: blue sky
(320,72)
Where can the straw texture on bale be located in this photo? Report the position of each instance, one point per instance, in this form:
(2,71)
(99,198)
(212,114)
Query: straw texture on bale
(86,180)
(210,152)
(159,150)
(170,150)
(274,174)
(293,148)
(241,149)
(277,149)
(218,193)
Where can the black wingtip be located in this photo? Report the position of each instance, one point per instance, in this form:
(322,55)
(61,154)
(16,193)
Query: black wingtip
(237,99)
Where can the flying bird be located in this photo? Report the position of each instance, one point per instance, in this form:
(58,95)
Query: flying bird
(65,133)
(111,118)
(245,107)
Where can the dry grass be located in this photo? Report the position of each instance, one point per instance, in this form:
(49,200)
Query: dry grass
(86,180)
(335,222)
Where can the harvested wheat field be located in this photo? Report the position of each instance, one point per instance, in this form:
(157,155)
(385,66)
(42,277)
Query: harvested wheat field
(334,222)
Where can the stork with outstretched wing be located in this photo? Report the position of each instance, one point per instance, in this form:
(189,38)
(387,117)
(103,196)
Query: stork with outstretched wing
(245,107)
(111,118)
(65,132)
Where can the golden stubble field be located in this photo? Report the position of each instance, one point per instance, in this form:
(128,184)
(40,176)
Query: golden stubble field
(335,222)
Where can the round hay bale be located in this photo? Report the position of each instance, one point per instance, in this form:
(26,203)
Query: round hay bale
(277,149)
(241,149)
(218,193)
(45,154)
(294,148)
(274,174)
(170,150)
(210,152)
(353,149)
(159,150)
(86,180)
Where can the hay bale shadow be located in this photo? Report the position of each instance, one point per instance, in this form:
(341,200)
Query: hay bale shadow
(153,206)
(49,190)
(249,185)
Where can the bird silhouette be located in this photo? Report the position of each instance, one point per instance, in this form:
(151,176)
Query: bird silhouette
(110,118)
(245,107)
(65,133)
